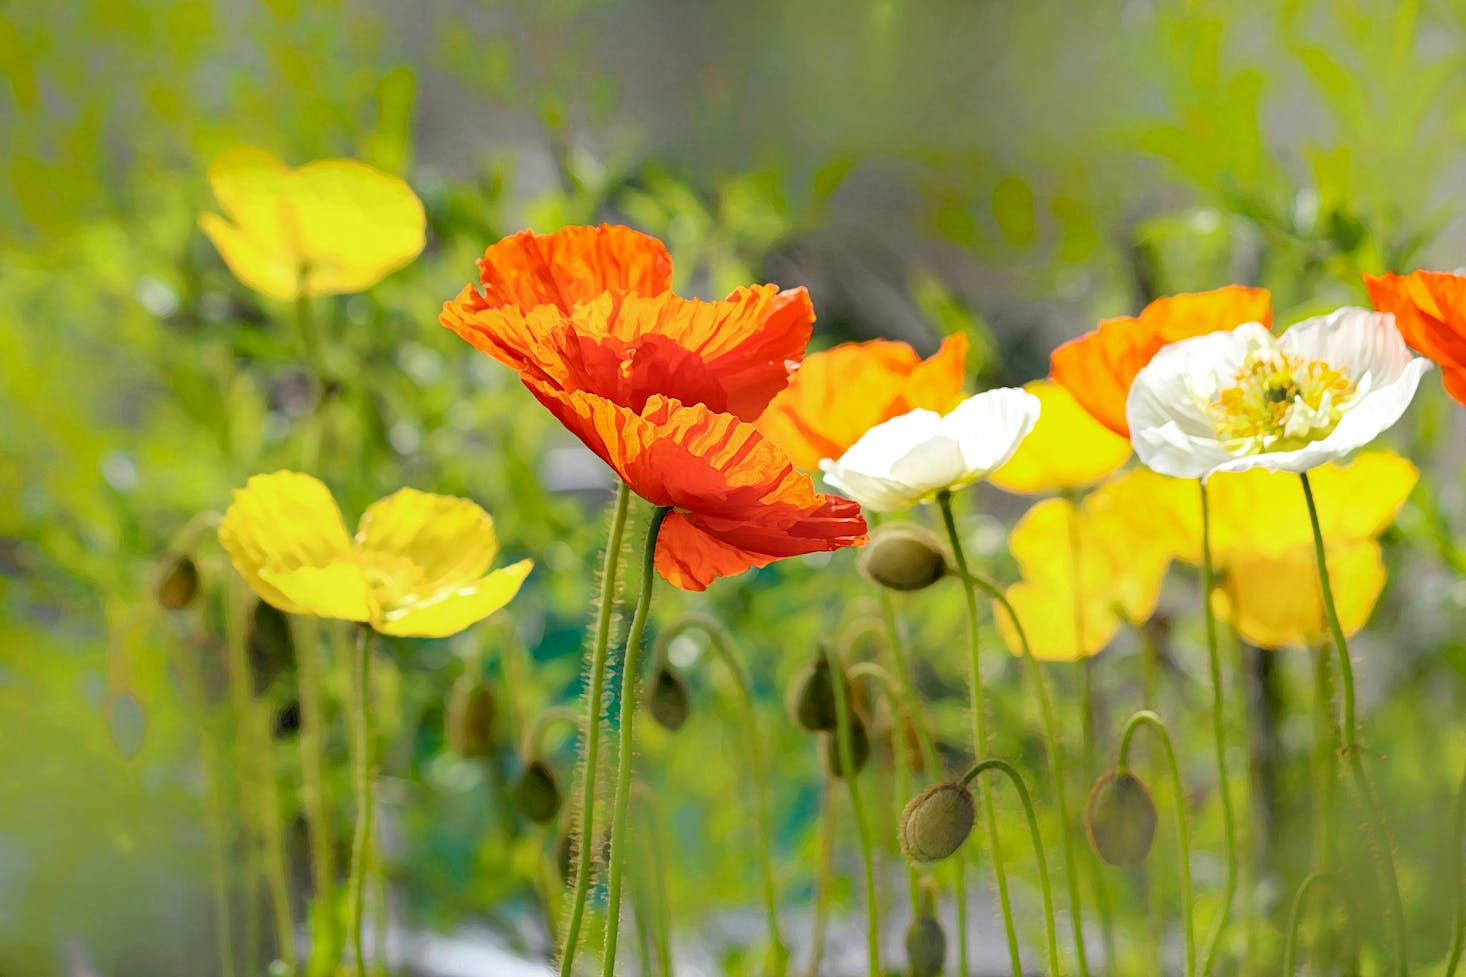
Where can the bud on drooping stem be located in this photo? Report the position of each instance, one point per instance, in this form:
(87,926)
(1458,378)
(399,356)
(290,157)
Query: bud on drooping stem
(937,822)
(812,700)
(1120,818)
(271,645)
(471,716)
(926,943)
(903,556)
(667,700)
(178,582)
(537,792)
(859,748)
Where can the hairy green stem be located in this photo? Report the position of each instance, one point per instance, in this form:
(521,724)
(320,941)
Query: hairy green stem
(979,733)
(1295,913)
(1146,717)
(1219,737)
(626,735)
(851,777)
(320,840)
(595,695)
(1007,769)
(362,760)
(1375,826)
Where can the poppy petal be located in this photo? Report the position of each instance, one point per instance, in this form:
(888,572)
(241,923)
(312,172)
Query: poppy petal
(450,611)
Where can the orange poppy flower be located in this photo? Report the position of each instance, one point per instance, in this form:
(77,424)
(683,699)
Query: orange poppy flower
(1098,367)
(838,395)
(737,500)
(1430,312)
(590,309)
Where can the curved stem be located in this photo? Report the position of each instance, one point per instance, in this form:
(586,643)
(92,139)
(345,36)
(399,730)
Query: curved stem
(1056,761)
(897,648)
(1295,913)
(722,644)
(1147,718)
(1006,768)
(534,740)
(362,757)
(1376,829)
(1458,933)
(595,693)
(1219,737)
(626,735)
(979,735)
(851,777)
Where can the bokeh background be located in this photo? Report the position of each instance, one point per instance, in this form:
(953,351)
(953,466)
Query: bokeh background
(1013,171)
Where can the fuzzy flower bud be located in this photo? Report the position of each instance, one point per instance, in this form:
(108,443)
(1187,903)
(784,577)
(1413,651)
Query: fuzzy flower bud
(937,822)
(667,700)
(1120,819)
(178,584)
(859,748)
(812,700)
(537,793)
(471,717)
(903,556)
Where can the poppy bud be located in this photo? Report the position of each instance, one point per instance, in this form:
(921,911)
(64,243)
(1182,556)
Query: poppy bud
(813,701)
(179,583)
(536,793)
(271,646)
(937,822)
(859,748)
(471,715)
(903,556)
(667,700)
(926,946)
(1120,819)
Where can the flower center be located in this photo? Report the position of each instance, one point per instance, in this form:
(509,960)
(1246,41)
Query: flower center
(1280,402)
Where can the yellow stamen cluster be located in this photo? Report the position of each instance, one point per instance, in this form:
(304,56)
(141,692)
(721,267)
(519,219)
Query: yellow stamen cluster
(1280,402)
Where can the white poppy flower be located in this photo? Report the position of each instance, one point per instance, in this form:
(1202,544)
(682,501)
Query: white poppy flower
(1230,401)
(900,462)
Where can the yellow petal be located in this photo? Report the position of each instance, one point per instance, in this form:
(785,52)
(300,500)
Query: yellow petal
(257,237)
(425,544)
(356,224)
(1049,618)
(1067,449)
(264,266)
(339,590)
(1275,601)
(282,522)
(453,610)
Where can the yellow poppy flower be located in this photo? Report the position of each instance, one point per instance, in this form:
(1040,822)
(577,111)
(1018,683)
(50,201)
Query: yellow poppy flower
(417,566)
(329,227)
(1275,602)
(1067,449)
(1118,578)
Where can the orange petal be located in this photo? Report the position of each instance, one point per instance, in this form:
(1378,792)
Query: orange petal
(1098,367)
(1430,312)
(573,265)
(838,395)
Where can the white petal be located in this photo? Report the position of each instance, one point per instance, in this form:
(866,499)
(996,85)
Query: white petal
(880,448)
(1361,342)
(930,465)
(989,427)
(871,491)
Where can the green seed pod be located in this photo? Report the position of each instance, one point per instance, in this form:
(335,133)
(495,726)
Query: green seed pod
(926,946)
(667,700)
(271,645)
(937,821)
(903,556)
(812,700)
(178,584)
(1120,819)
(471,717)
(537,793)
(859,748)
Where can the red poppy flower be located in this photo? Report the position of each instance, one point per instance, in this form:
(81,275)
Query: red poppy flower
(589,309)
(1430,312)
(1098,367)
(737,500)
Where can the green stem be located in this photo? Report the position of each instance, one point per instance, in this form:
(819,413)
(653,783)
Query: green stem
(626,737)
(1147,718)
(534,740)
(722,644)
(1458,932)
(825,882)
(1295,914)
(979,734)
(886,684)
(656,890)
(862,823)
(896,645)
(595,693)
(325,948)
(1006,768)
(1056,762)
(362,768)
(1325,746)
(1219,737)
(1376,829)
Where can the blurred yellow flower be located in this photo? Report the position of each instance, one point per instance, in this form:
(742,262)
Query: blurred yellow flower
(326,228)
(1072,611)
(418,565)
(1067,449)
(1274,601)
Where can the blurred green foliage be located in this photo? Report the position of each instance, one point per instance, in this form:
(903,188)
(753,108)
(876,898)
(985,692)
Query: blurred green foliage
(1012,171)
